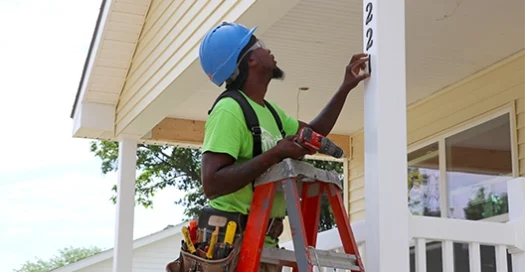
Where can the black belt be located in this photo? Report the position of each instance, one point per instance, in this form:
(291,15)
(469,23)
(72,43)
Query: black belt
(211,214)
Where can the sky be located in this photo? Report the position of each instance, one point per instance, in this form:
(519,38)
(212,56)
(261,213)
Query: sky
(52,191)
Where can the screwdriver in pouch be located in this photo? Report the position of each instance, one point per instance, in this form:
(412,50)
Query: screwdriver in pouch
(229,237)
(187,239)
(230,232)
(225,247)
(213,241)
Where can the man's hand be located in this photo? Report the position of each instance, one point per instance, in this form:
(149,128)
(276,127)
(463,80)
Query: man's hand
(325,121)
(288,148)
(353,71)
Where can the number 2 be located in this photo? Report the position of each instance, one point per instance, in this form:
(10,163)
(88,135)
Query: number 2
(369,31)
(370,42)
(369,10)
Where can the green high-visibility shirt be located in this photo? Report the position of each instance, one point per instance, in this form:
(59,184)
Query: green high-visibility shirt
(226,132)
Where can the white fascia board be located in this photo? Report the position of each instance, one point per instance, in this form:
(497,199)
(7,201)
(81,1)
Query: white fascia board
(92,120)
(93,51)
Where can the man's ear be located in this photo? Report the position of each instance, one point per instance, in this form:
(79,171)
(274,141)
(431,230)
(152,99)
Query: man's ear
(252,60)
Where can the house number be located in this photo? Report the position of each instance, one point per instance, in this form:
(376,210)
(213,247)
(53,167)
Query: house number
(369,30)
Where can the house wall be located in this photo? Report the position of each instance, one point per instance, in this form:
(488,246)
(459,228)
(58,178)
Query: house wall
(167,46)
(496,86)
(150,258)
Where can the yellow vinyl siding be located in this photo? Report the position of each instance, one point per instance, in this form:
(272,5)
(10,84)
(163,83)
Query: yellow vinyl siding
(448,108)
(167,46)
(356,180)
(520,126)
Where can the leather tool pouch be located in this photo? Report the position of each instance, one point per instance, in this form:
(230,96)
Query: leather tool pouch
(188,262)
(208,219)
(174,266)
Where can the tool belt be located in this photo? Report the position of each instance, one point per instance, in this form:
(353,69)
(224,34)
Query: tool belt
(215,221)
(208,218)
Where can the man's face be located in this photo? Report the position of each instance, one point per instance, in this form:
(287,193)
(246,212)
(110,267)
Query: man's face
(265,61)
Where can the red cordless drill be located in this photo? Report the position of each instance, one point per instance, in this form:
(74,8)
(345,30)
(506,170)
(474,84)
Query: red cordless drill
(315,141)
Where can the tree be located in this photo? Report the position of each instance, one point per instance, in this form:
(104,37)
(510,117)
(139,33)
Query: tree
(484,206)
(162,166)
(65,256)
(421,193)
(326,220)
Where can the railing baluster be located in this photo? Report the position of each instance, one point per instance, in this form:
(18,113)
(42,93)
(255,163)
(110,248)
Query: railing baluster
(421,255)
(362,251)
(474,257)
(448,256)
(501,259)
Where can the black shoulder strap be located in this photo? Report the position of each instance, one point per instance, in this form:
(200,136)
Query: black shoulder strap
(252,122)
(277,118)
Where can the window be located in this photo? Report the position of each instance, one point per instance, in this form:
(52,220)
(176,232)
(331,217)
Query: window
(463,175)
(423,181)
(479,163)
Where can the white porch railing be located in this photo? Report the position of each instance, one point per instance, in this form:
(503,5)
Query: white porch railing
(509,236)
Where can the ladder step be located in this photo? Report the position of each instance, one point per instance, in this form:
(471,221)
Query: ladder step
(319,258)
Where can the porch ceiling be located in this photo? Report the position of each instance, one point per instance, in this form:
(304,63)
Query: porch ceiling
(446,42)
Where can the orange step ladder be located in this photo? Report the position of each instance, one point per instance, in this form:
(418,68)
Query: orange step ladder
(303,185)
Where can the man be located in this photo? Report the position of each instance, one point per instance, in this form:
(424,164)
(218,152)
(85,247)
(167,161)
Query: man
(231,54)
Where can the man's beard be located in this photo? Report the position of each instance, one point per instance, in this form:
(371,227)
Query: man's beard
(277,73)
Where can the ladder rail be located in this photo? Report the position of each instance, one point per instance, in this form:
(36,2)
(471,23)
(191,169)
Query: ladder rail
(343,224)
(295,179)
(254,234)
(302,254)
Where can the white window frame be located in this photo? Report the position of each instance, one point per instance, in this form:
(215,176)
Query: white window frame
(508,108)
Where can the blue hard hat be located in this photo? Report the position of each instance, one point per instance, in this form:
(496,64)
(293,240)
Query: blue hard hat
(220,49)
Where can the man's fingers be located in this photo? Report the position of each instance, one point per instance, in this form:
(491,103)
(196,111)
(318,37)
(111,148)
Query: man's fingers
(360,64)
(358,56)
(360,61)
(357,67)
(363,77)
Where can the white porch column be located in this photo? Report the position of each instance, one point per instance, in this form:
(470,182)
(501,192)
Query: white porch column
(346,185)
(516,191)
(387,240)
(123,250)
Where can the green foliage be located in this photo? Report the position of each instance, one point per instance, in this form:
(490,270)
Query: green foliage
(415,178)
(65,256)
(159,167)
(162,166)
(327,220)
(484,206)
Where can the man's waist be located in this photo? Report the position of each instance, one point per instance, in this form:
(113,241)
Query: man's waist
(211,217)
